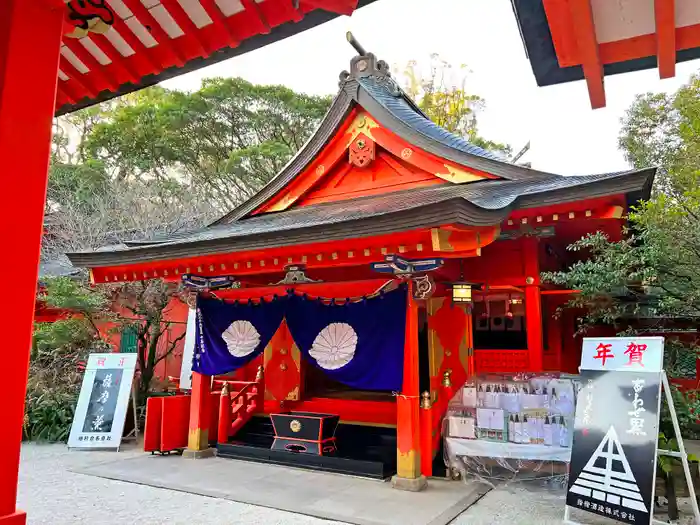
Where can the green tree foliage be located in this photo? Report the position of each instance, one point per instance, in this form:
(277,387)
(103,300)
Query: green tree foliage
(660,259)
(225,140)
(655,271)
(441,93)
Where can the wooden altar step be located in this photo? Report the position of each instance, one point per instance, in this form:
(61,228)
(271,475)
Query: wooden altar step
(362,450)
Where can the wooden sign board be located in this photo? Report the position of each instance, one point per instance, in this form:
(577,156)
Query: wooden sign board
(103,403)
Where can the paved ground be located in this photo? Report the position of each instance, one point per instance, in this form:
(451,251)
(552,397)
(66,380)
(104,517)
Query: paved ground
(323,495)
(53,493)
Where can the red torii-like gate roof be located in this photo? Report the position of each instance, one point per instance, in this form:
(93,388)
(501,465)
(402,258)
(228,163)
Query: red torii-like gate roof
(60,55)
(569,40)
(147,41)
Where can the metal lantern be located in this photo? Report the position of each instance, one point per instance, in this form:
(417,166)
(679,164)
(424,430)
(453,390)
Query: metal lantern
(462,292)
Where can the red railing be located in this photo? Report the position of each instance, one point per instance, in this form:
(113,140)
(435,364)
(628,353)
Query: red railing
(238,401)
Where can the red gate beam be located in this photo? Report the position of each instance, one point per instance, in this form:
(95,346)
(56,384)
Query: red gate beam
(665,14)
(252,8)
(79,79)
(97,71)
(142,54)
(584,29)
(147,19)
(119,62)
(220,21)
(187,25)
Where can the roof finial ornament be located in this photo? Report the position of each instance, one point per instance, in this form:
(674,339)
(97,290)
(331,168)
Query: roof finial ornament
(367,65)
(354,43)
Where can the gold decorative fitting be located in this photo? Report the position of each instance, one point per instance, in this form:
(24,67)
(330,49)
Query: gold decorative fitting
(320,170)
(510,222)
(283,351)
(283,367)
(361,144)
(211,267)
(539,218)
(530,280)
(589,213)
(406,153)
(571,215)
(260,374)
(555,217)
(448,353)
(295,425)
(425,400)
(199,269)
(224,389)
(447,378)
(361,121)
(93,17)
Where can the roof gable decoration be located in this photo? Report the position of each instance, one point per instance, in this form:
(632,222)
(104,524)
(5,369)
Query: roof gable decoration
(364,158)
(370,102)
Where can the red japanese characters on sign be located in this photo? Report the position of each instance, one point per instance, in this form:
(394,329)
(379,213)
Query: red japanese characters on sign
(635,352)
(604,353)
(101,361)
(629,354)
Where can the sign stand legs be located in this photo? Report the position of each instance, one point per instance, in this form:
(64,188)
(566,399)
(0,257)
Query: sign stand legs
(680,454)
(134,433)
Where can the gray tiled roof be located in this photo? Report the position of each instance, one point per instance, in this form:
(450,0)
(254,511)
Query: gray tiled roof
(400,107)
(479,203)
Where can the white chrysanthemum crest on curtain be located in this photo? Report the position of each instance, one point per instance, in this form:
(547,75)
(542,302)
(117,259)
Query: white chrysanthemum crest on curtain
(334,346)
(241,338)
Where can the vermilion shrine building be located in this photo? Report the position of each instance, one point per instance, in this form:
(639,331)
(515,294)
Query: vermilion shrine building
(106,51)
(381,195)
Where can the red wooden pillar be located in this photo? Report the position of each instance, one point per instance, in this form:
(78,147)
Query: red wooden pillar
(30,39)
(408,465)
(200,417)
(533,304)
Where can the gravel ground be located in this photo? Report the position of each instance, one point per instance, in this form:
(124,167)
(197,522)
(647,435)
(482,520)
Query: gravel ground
(52,495)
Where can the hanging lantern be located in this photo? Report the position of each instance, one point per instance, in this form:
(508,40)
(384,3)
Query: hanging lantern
(462,292)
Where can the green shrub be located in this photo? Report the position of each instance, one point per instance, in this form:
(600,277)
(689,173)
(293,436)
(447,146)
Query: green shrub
(55,376)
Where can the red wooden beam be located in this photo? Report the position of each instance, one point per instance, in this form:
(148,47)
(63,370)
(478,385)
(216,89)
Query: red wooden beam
(253,10)
(220,21)
(119,62)
(192,34)
(64,91)
(342,7)
(584,29)
(29,55)
(98,72)
(164,41)
(295,14)
(79,79)
(142,54)
(664,11)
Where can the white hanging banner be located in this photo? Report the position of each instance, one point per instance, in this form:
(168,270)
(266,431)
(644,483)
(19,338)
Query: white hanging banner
(103,402)
(188,351)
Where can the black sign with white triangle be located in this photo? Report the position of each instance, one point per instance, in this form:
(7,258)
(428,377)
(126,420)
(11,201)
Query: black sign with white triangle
(613,457)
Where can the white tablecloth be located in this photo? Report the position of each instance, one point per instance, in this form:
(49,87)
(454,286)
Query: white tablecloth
(493,449)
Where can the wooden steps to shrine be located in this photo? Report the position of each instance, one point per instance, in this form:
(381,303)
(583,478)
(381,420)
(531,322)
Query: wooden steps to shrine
(365,451)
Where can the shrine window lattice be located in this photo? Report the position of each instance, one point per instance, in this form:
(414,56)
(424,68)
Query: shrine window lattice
(499,322)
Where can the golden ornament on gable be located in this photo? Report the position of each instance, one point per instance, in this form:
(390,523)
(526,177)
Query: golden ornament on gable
(87,16)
